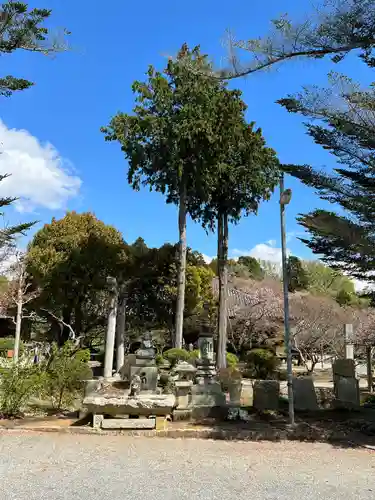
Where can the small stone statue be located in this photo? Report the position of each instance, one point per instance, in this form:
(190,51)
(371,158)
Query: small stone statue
(146,350)
(135,386)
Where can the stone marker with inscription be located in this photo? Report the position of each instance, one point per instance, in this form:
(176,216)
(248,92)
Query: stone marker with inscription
(304,394)
(266,394)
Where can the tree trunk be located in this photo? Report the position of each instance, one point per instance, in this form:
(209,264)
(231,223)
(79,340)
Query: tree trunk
(17,337)
(181,277)
(222,259)
(67,318)
(120,333)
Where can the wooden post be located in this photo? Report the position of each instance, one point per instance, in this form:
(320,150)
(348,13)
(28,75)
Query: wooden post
(369,368)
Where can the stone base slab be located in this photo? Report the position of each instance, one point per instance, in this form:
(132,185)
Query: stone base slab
(199,412)
(180,414)
(131,423)
(142,405)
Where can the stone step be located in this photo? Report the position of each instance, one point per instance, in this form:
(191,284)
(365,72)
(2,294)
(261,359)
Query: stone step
(131,423)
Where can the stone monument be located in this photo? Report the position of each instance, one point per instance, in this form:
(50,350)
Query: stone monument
(137,406)
(304,395)
(207,397)
(346,385)
(266,394)
(145,365)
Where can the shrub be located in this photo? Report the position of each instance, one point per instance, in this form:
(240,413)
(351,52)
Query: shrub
(232,360)
(194,354)
(262,363)
(65,372)
(18,383)
(175,355)
(160,360)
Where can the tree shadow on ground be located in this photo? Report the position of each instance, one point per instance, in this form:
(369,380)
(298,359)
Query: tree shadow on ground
(339,428)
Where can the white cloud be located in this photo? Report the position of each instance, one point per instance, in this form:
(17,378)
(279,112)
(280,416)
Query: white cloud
(40,177)
(207,258)
(263,251)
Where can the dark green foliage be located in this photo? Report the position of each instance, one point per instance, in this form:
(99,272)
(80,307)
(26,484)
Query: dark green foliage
(167,139)
(18,383)
(262,363)
(253,266)
(171,142)
(347,130)
(22,28)
(66,371)
(297,277)
(151,274)
(70,260)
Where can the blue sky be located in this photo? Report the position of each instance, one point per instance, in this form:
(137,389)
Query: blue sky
(51,133)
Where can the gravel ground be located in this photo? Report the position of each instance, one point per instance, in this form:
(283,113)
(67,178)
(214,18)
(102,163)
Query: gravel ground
(79,467)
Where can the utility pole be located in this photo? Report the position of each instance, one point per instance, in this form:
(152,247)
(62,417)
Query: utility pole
(285,197)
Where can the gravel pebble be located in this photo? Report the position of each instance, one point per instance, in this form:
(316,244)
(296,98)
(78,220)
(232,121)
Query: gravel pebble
(78,467)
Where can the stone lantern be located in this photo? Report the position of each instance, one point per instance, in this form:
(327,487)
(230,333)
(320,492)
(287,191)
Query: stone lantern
(185,374)
(206,362)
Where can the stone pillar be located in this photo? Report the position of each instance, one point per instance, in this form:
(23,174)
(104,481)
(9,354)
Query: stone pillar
(120,332)
(349,345)
(111,328)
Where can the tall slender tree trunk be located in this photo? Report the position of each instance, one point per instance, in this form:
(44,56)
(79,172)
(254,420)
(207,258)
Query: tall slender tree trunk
(181,277)
(222,258)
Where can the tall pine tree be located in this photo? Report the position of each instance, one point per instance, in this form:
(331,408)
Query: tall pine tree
(346,128)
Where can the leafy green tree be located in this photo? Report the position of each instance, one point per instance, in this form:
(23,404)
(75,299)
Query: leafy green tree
(324,280)
(245,174)
(297,276)
(22,28)
(262,363)
(167,143)
(152,290)
(70,260)
(65,372)
(253,266)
